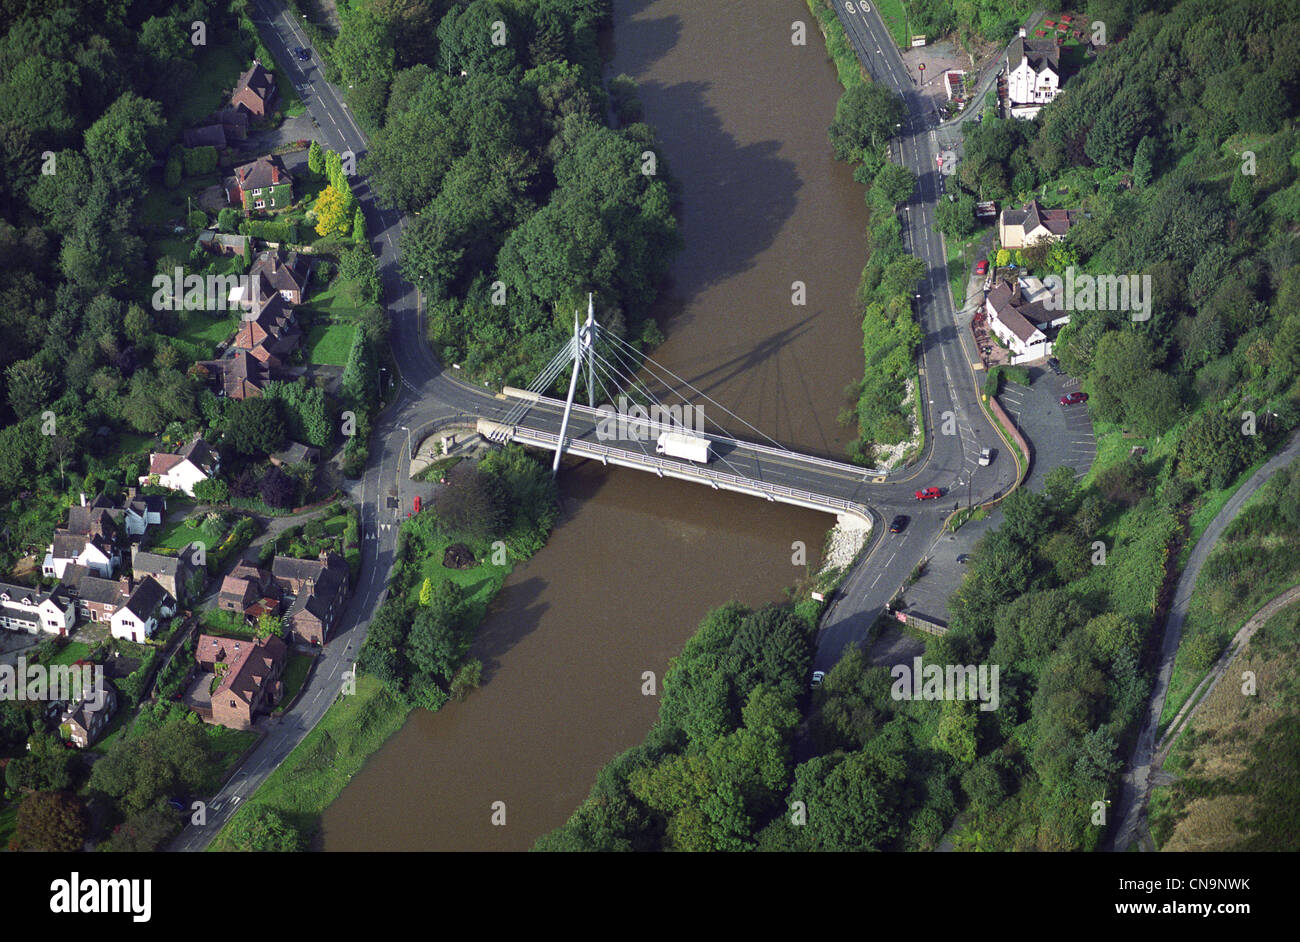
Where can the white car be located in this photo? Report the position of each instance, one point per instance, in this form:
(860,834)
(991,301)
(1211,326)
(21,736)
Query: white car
(817,678)
(986,456)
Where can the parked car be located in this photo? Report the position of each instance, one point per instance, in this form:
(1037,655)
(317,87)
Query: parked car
(417,503)
(1070,399)
(928,493)
(898,524)
(963,559)
(986,456)
(982,267)
(1054,365)
(303,53)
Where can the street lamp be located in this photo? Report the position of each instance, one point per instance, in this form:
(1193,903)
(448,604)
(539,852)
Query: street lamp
(410,453)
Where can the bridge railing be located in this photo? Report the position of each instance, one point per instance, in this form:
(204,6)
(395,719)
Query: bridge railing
(856,470)
(720,477)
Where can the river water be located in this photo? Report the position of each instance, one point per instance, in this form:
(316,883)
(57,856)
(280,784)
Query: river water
(637,561)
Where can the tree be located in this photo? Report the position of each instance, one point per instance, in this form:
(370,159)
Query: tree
(253,426)
(956,731)
(51,821)
(956,219)
(359,228)
(331,212)
(263,828)
(118,143)
(277,488)
(865,117)
(168,759)
(853,801)
(472,503)
(268,626)
(315,159)
(896,182)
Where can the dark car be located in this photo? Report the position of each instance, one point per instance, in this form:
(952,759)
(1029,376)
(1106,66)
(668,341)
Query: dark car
(1071,398)
(928,493)
(1054,365)
(303,53)
(898,524)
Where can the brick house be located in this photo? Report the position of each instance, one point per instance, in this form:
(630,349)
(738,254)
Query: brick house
(239,376)
(250,591)
(286,277)
(315,590)
(95,598)
(85,721)
(255,91)
(262,184)
(250,679)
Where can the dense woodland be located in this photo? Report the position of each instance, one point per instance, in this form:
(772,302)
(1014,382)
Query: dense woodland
(523,198)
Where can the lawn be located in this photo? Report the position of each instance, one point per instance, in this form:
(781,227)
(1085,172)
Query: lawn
(480,583)
(329,344)
(162,207)
(318,770)
(71,653)
(176,536)
(895,17)
(337,301)
(295,675)
(204,331)
(219,68)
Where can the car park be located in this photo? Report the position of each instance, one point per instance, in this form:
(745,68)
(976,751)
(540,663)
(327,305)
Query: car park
(928,493)
(1070,399)
(898,524)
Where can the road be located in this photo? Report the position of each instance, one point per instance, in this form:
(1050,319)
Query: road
(425,393)
(949,380)
(1135,784)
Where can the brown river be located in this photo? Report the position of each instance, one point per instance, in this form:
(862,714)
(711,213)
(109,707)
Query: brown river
(637,561)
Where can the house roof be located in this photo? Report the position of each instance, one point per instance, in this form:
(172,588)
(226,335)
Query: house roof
(1041,53)
(295,453)
(288,274)
(264,171)
(286,567)
(214,135)
(143,563)
(146,598)
(258,81)
(239,376)
(94,519)
(1033,215)
(237,242)
(1013,312)
(83,714)
(251,662)
(22,614)
(22,595)
(80,583)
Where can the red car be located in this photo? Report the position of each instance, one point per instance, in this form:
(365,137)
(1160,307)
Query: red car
(417,504)
(982,267)
(928,493)
(1071,398)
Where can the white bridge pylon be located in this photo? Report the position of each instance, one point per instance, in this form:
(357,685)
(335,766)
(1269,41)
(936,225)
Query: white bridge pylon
(581,347)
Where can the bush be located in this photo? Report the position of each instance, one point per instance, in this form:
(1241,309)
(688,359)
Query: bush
(199,160)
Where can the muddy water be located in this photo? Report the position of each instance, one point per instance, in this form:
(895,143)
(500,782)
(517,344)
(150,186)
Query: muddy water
(637,561)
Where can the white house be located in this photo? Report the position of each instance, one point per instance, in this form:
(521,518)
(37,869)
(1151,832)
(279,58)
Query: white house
(181,471)
(1033,68)
(30,610)
(96,553)
(1020,313)
(142,511)
(138,618)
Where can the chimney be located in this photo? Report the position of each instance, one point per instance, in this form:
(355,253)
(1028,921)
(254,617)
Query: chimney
(83,498)
(124,582)
(130,493)
(275,174)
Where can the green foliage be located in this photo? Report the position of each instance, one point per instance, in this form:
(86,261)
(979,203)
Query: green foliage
(865,117)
